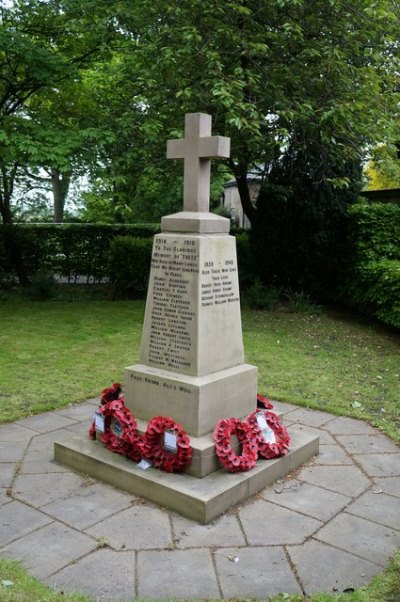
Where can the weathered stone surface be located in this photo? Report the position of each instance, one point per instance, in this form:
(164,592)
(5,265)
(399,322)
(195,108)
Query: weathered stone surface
(385,512)
(268,524)
(43,423)
(347,480)
(12,451)
(349,426)
(138,527)
(52,487)
(259,573)
(88,505)
(389,485)
(333,454)
(47,550)
(310,417)
(360,537)
(367,444)
(308,499)
(7,471)
(380,465)
(79,411)
(224,531)
(177,574)
(324,568)
(13,432)
(16,520)
(104,575)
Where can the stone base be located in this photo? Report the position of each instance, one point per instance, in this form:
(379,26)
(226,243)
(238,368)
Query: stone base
(195,402)
(195,221)
(201,500)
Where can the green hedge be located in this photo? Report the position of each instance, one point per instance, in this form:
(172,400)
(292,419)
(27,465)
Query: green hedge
(373,280)
(130,265)
(69,250)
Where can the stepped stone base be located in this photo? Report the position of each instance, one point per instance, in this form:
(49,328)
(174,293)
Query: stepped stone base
(196,402)
(201,500)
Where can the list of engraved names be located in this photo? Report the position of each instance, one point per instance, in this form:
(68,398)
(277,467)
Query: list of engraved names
(176,270)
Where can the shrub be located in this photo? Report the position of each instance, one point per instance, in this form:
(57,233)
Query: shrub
(373,278)
(130,264)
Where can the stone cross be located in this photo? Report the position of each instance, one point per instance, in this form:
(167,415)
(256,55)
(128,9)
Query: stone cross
(197,148)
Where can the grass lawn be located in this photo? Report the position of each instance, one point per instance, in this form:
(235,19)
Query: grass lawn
(54,353)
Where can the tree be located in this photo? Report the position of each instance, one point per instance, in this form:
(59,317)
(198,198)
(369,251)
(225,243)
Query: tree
(273,75)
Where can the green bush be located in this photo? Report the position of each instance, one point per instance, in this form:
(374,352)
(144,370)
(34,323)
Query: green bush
(130,265)
(69,250)
(373,279)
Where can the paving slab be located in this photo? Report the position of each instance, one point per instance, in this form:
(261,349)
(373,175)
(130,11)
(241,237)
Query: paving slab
(38,490)
(349,426)
(43,423)
(12,451)
(78,412)
(260,572)
(49,549)
(360,537)
(333,454)
(347,480)
(99,575)
(380,465)
(88,505)
(309,417)
(225,531)
(139,527)
(181,574)
(7,472)
(367,444)
(14,432)
(308,499)
(16,520)
(4,498)
(385,511)
(265,523)
(324,568)
(389,485)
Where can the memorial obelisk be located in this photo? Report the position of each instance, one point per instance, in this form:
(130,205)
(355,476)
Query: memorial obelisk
(191,358)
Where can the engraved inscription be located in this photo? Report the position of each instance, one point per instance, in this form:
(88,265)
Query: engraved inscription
(174,264)
(218,283)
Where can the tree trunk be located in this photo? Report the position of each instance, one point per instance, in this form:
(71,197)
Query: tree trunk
(11,244)
(60,184)
(244,192)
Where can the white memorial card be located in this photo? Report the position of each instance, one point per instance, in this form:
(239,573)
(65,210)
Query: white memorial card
(170,442)
(144,464)
(99,422)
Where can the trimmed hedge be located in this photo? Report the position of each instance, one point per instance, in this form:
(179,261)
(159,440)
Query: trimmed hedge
(69,250)
(373,281)
(130,264)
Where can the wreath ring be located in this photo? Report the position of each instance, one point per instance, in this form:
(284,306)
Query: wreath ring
(222,437)
(269,449)
(156,452)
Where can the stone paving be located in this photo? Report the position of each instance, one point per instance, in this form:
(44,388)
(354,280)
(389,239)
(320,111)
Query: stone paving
(331,525)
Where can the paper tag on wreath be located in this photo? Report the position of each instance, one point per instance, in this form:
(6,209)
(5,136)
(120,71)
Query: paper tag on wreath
(268,433)
(170,442)
(99,422)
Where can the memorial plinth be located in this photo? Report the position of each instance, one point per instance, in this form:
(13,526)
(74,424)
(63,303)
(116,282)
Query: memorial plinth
(191,365)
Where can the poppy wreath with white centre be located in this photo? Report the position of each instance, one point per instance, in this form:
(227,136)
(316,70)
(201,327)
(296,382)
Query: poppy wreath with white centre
(268,449)
(232,461)
(154,450)
(120,427)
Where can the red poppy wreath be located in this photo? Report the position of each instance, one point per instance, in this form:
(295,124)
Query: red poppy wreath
(120,428)
(232,461)
(174,460)
(272,437)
